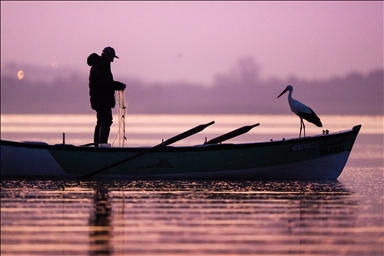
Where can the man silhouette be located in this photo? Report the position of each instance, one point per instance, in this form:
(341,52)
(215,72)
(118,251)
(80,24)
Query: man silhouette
(102,92)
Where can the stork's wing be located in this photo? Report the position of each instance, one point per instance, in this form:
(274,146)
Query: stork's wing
(311,117)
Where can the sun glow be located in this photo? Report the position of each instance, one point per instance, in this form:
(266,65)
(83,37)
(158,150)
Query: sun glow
(20,74)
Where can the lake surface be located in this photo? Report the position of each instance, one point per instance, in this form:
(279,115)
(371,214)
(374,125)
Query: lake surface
(195,217)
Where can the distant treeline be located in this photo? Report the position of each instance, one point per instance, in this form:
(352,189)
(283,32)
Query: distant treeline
(240,92)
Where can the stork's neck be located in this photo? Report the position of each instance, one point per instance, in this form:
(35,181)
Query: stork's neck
(290,95)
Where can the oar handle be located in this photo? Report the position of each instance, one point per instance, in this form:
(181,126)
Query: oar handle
(231,134)
(163,144)
(88,144)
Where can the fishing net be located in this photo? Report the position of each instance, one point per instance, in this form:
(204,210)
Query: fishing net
(121,111)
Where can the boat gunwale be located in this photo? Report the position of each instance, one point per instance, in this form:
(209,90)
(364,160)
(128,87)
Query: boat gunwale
(202,147)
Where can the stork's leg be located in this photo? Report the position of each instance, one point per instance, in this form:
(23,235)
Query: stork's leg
(301,126)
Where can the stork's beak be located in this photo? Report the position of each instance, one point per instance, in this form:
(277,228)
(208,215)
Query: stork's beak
(282,93)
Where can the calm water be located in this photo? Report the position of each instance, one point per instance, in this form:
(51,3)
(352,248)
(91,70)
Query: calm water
(120,217)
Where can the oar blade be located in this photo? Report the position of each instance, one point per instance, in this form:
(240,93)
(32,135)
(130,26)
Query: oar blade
(188,133)
(231,134)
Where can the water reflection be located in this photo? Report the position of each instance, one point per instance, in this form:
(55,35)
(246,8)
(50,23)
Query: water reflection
(180,217)
(100,223)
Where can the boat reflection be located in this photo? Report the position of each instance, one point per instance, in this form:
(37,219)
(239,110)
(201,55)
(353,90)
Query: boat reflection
(120,217)
(160,216)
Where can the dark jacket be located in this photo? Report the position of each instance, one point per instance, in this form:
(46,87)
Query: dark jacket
(101,85)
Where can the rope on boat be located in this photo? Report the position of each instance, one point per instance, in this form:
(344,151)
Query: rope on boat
(121,111)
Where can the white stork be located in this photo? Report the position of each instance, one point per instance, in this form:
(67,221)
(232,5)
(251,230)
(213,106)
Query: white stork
(301,110)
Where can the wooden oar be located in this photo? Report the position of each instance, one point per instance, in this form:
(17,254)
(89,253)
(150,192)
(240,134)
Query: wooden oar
(231,134)
(181,136)
(88,144)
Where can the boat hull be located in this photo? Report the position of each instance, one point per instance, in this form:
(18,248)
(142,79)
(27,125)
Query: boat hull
(321,157)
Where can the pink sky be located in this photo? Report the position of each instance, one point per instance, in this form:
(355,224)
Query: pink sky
(194,41)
